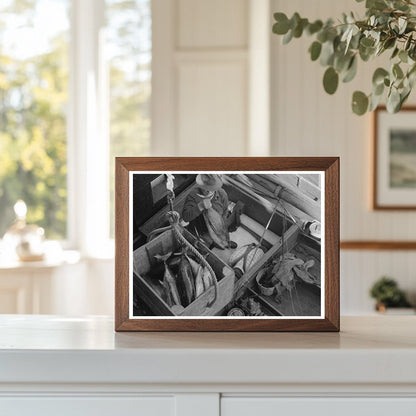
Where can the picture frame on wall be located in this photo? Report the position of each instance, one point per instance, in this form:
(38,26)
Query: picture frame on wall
(227,244)
(394,164)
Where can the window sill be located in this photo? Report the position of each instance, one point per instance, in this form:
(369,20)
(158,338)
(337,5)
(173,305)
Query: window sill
(8,262)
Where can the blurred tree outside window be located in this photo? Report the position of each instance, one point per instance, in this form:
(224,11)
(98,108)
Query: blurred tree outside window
(33,102)
(34,94)
(129,52)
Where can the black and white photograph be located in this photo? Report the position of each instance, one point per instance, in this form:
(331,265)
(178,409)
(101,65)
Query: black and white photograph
(227,244)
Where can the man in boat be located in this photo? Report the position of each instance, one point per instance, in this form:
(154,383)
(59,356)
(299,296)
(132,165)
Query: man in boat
(207,195)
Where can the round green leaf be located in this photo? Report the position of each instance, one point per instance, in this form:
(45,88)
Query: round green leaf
(315,50)
(374,102)
(367,42)
(412,52)
(359,103)
(408,42)
(389,43)
(397,71)
(378,89)
(298,30)
(322,36)
(395,52)
(366,53)
(393,101)
(376,4)
(314,27)
(342,61)
(330,80)
(351,71)
(379,75)
(294,20)
(327,54)
(404,96)
(403,56)
(282,26)
(288,37)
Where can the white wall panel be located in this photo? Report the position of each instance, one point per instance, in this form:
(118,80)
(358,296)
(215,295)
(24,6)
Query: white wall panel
(212,24)
(200,77)
(212,108)
(308,122)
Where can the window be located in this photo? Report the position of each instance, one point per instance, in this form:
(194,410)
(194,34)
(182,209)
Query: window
(75,87)
(129,45)
(33,103)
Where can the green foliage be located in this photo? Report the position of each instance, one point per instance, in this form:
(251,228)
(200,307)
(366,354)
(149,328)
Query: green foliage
(386,291)
(33,162)
(315,50)
(130,90)
(282,25)
(330,81)
(34,103)
(359,103)
(388,26)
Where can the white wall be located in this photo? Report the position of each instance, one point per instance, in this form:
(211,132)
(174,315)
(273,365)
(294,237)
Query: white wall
(202,85)
(308,122)
(211,74)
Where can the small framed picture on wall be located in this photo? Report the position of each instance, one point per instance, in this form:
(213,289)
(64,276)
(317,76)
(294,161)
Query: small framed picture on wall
(394,178)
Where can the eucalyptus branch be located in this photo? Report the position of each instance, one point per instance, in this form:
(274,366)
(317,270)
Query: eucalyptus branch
(389,25)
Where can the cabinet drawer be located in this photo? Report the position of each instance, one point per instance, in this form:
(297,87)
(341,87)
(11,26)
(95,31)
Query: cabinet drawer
(273,406)
(87,406)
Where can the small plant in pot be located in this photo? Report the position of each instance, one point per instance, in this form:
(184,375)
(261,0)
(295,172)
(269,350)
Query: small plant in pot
(387,294)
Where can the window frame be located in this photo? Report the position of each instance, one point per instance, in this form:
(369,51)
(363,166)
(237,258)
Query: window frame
(88,133)
(87,128)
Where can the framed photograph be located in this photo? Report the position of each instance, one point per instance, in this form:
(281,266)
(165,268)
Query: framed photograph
(227,244)
(394,176)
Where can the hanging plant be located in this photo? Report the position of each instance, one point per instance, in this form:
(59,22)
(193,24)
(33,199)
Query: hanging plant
(388,27)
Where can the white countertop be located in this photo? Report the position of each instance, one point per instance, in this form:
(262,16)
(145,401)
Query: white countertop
(52,349)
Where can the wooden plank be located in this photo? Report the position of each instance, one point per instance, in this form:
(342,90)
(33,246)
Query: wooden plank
(304,184)
(158,306)
(290,194)
(296,213)
(199,307)
(378,245)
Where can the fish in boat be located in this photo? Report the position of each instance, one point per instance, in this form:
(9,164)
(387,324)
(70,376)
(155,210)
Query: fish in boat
(169,283)
(198,271)
(205,273)
(217,228)
(173,261)
(194,264)
(245,257)
(199,283)
(206,278)
(185,281)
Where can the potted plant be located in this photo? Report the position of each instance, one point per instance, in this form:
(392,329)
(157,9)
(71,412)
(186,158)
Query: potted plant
(387,294)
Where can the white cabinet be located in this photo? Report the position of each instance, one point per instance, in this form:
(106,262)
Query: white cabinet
(80,366)
(272,406)
(88,406)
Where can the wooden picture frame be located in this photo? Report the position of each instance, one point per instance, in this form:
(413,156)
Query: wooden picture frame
(228,169)
(394,185)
